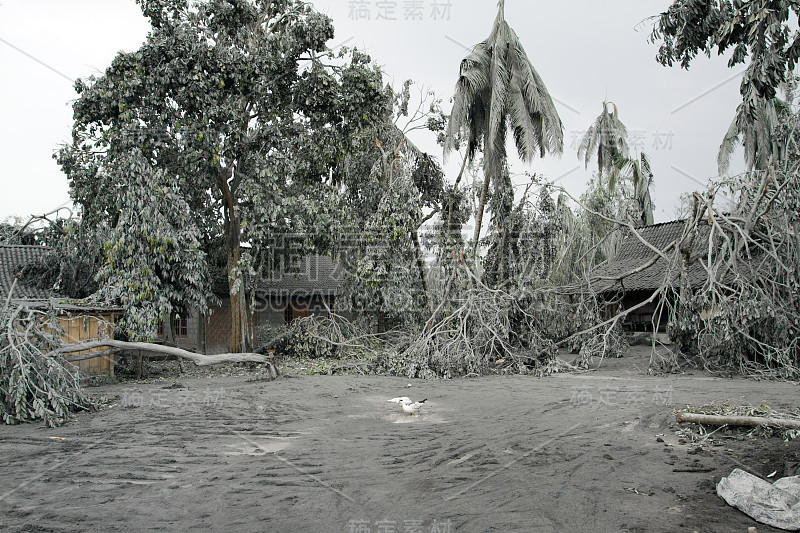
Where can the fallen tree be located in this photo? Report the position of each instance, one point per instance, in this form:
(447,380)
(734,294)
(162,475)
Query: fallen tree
(743,421)
(34,386)
(38,381)
(727,288)
(147,348)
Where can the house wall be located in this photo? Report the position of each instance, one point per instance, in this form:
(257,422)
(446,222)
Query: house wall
(640,319)
(218,328)
(193,340)
(273,311)
(84,327)
(269,313)
(317,305)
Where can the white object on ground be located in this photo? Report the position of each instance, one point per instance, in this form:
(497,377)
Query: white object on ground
(775,504)
(401,399)
(413,408)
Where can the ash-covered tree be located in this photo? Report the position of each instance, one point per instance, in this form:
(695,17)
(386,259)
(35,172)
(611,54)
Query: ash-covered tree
(757,32)
(501,206)
(153,264)
(499,90)
(606,140)
(238,107)
(743,232)
(380,243)
(74,256)
(522,250)
(15,231)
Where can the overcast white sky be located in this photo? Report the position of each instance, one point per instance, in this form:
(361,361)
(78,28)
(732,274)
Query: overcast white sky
(586,51)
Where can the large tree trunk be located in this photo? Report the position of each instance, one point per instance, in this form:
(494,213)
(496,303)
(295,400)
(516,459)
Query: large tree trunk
(241,330)
(746,421)
(169,330)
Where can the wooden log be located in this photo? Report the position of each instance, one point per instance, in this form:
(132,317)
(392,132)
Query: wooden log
(146,347)
(746,421)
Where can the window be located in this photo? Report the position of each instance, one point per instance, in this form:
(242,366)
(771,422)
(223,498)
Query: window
(180,325)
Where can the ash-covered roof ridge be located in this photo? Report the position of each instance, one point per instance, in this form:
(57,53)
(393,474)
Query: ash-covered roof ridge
(13,257)
(621,271)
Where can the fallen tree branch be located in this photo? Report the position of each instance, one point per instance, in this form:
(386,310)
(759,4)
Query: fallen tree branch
(33,386)
(146,347)
(92,355)
(746,421)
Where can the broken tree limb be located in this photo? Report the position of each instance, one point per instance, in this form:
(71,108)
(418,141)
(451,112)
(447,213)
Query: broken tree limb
(146,347)
(92,355)
(747,421)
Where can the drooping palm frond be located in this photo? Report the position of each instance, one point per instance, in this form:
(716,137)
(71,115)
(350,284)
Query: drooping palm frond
(606,139)
(498,89)
(497,82)
(471,102)
(535,122)
(728,146)
(757,133)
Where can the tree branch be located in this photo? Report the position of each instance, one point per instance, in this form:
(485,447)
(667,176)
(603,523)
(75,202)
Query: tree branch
(196,358)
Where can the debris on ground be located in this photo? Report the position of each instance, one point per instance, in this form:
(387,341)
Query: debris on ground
(774,504)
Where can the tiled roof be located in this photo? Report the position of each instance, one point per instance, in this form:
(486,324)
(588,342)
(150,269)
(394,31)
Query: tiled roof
(315,274)
(12,259)
(621,272)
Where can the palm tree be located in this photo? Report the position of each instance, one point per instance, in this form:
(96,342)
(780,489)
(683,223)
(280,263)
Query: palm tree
(607,136)
(638,169)
(758,134)
(498,89)
(606,139)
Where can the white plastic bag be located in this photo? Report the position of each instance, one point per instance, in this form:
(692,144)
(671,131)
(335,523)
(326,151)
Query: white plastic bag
(775,504)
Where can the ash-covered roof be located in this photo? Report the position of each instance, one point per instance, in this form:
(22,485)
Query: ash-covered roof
(12,259)
(625,271)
